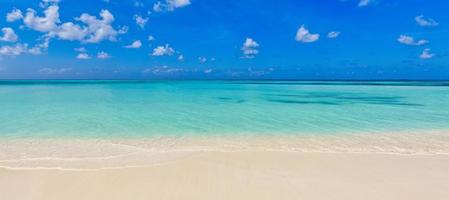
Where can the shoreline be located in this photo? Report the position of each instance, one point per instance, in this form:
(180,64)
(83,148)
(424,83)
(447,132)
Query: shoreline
(349,154)
(115,153)
(373,167)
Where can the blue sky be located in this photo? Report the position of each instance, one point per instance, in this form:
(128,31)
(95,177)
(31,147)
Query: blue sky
(216,39)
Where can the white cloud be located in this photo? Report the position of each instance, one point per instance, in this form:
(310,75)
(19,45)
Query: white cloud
(99,29)
(46,23)
(14,15)
(52,71)
(19,49)
(8,35)
(135,45)
(103,55)
(83,56)
(163,51)
(46,3)
(303,35)
(140,21)
(421,21)
(151,38)
(408,40)
(51,1)
(123,30)
(162,70)
(170,5)
(94,30)
(15,50)
(181,57)
(38,48)
(363,3)
(138,4)
(333,34)
(178,3)
(158,7)
(250,48)
(202,59)
(426,54)
(80,49)
(70,31)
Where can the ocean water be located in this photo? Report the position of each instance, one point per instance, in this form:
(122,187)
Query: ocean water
(122,109)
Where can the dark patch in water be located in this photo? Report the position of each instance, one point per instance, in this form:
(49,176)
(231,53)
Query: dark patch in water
(338,99)
(348,83)
(231,100)
(303,102)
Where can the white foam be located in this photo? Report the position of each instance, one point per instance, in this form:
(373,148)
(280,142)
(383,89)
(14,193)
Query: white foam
(111,153)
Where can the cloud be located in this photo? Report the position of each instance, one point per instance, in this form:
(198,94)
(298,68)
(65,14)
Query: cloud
(38,48)
(426,54)
(51,1)
(80,49)
(170,5)
(93,30)
(260,72)
(303,35)
(429,22)
(162,70)
(135,45)
(163,51)
(363,3)
(99,29)
(14,15)
(8,35)
(83,56)
(52,71)
(408,40)
(46,23)
(15,50)
(151,38)
(181,57)
(250,48)
(46,3)
(123,30)
(140,21)
(138,4)
(70,31)
(103,55)
(202,60)
(19,49)
(333,34)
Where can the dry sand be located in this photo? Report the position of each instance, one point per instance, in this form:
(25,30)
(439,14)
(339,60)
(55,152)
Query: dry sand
(255,175)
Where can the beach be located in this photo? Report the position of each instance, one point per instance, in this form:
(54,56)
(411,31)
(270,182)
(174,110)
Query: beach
(243,175)
(223,140)
(400,167)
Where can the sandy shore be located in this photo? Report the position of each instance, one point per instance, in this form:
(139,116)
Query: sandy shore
(243,175)
(369,166)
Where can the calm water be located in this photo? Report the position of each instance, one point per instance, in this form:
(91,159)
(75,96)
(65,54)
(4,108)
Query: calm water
(135,109)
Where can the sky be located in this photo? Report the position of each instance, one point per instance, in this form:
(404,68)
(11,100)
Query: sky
(224,39)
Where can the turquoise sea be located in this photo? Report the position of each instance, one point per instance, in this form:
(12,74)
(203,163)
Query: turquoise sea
(98,109)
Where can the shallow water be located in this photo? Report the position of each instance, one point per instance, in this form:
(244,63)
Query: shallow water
(111,109)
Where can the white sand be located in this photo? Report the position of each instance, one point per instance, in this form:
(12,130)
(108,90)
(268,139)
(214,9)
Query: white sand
(390,166)
(243,175)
